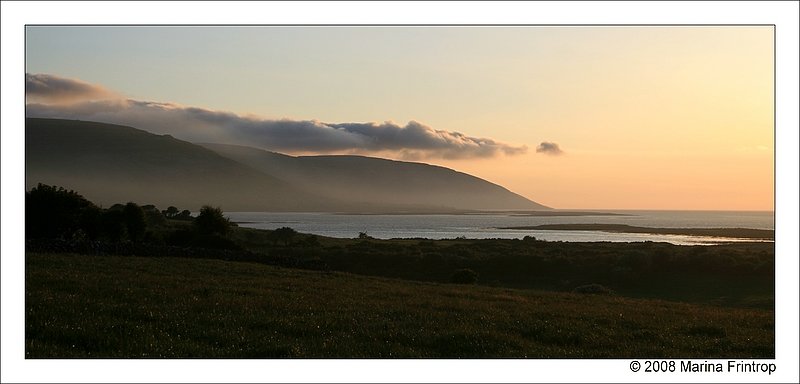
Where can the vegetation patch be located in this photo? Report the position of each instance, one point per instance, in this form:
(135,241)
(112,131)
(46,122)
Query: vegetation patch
(593,289)
(464,276)
(143,307)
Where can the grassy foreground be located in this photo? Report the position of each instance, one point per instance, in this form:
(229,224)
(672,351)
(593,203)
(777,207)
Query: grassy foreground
(733,275)
(118,306)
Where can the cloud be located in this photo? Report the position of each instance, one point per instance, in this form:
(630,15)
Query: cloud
(53,89)
(411,141)
(549,148)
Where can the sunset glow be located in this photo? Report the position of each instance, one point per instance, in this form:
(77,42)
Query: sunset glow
(632,117)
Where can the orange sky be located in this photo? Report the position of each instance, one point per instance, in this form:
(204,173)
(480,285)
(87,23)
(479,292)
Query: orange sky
(647,117)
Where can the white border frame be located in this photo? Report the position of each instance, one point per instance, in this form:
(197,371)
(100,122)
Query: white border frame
(15,15)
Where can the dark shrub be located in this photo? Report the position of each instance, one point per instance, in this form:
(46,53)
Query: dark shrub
(184,215)
(116,207)
(311,241)
(214,242)
(134,221)
(90,222)
(593,289)
(464,276)
(171,212)
(179,238)
(283,235)
(54,212)
(211,221)
(153,216)
(113,224)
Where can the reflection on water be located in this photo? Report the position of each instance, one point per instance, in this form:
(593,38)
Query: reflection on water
(486,226)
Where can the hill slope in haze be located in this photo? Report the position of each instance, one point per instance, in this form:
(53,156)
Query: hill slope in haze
(380,181)
(114,164)
(111,164)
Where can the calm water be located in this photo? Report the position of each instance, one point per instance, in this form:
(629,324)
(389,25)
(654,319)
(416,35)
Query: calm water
(482,226)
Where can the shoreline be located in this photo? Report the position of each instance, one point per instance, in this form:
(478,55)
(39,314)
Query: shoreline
(741,233)
(553,213)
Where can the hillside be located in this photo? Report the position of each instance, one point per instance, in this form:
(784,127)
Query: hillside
(380,181)
(112,164)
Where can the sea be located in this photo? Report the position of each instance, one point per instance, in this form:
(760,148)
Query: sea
(489,225)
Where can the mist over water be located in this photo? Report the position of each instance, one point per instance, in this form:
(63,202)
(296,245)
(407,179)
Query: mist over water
(483,226)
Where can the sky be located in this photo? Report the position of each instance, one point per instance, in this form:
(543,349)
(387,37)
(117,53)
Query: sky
(648,117)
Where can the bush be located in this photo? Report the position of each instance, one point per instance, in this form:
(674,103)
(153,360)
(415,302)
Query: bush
(54,212)
(171,212)
(134,221)
(214,242)
(113,224)
(311,241)
(211,221)
(283,234)
(90,222)
(593,289)
(152,216)
(464,276)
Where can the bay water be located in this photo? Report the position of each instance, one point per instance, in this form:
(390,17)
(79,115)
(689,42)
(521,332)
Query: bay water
(488,225)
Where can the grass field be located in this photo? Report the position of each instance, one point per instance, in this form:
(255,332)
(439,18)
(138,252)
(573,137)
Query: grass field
(740,274)
(124,306)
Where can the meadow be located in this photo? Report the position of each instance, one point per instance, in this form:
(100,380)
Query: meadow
(82,306)
(737,274)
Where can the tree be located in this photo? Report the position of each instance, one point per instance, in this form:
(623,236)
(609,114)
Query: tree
(90,222)
(134,221)
(170,212)
(113,224)
(116,207)
(184,215)
(54,212)
(153,217)
(211,221)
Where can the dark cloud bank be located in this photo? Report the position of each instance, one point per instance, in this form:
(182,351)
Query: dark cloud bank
(55,97)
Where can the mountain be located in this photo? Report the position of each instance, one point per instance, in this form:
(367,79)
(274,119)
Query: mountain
(111,164)
(115,164)
(380,181)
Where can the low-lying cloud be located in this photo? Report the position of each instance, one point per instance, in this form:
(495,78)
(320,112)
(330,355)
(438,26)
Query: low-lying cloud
(412,141)
(549,148)
(53,89)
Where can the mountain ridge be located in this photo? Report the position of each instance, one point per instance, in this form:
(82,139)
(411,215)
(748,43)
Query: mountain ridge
(113,163)
(380,180)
